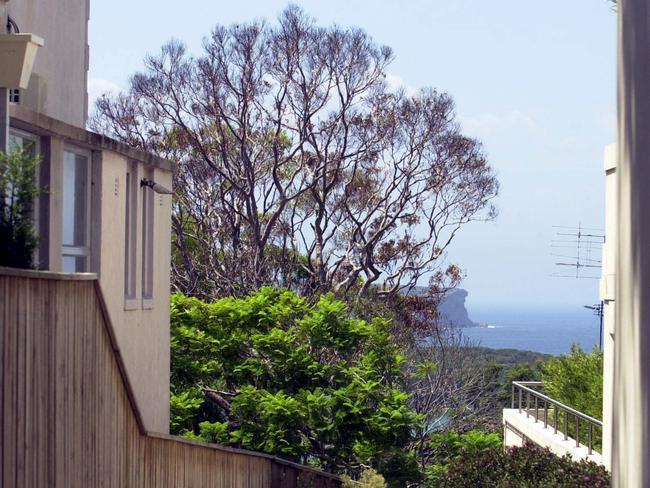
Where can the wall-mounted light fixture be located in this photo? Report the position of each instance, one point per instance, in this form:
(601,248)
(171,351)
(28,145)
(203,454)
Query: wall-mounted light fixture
(12,27)
(157,187)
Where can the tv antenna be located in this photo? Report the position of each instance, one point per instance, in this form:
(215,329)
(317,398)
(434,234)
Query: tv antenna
(580,249)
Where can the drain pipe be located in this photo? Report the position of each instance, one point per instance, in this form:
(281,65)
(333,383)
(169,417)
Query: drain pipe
(4,120)
(4,93)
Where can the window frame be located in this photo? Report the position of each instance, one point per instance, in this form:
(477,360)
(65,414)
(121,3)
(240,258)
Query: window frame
(77,250)
(147,236)
(36,204)
(131,200)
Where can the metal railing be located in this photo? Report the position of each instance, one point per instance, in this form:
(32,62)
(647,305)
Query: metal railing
(523,389)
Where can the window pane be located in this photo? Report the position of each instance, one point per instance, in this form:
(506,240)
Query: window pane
(131,194)
(74,264)
(75,199)
(19,140)
(147,241)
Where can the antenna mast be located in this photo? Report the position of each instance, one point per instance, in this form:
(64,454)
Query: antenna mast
(581,242)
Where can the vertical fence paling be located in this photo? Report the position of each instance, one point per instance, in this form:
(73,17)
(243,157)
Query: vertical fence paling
(78,397)
(559,410)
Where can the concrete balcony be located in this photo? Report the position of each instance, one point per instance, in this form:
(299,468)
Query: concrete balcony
(548,423)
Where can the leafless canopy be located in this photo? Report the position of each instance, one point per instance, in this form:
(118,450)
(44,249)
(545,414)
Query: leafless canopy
(298,164)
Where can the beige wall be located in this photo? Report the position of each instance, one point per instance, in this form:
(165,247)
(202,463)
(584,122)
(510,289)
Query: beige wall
(58,84)
(142,329)
(3,14)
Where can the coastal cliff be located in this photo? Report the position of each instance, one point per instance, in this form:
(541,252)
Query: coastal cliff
(452,309)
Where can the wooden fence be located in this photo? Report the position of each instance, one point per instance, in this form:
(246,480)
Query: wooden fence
(67,411)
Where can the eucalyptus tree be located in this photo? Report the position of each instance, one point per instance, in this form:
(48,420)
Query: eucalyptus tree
(298,164)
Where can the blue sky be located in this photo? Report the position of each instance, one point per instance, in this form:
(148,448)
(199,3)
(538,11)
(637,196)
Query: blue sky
(535,81)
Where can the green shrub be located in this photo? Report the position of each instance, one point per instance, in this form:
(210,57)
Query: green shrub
(369,479)
(275,373)
(522,467)
(446,447)
(17,192)
(519,372)
(576,379)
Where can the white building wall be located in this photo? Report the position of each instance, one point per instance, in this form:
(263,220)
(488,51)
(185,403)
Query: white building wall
(607,295)
(631,393)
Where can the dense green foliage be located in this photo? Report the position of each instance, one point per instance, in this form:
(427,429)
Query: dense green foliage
(17,191)
(311,382)
(369,479)
(307,382)
(521,467)
(576,379)
(449,446)
(513,357)
(518,372)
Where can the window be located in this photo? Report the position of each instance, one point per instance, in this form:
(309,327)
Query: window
(131,193)
(23,139)
(76,210)
(147,241)
(14,95)
(30,144)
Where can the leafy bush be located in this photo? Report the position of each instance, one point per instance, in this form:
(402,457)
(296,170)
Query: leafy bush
(447,447)
(307,382)
(576,379)
(522,467)
(17,191)
(518,372)
(369,479)
(453,444)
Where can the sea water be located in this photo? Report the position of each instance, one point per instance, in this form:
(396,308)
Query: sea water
(547,330)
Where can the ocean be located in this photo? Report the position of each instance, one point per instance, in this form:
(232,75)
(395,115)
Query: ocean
(550,331)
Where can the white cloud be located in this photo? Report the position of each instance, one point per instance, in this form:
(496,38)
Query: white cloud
(395,82)
(97,87)
(488,124)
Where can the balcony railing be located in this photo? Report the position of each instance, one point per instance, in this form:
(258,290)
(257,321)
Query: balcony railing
(554,414)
